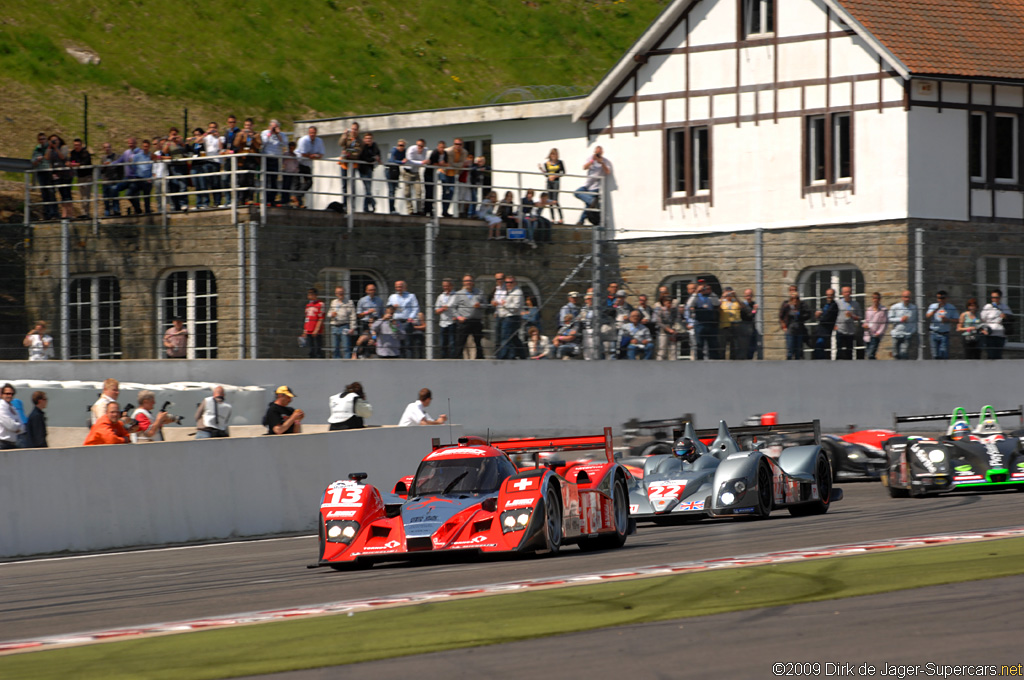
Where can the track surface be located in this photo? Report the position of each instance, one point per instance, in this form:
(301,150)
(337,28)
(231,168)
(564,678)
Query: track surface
(48,597)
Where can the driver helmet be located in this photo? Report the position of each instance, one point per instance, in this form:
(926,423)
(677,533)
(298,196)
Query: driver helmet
(960,430)
(686,449)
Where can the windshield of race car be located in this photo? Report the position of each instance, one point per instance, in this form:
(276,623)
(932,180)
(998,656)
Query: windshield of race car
(461,475)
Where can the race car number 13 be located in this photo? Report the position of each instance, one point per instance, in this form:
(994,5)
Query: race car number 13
(345,495)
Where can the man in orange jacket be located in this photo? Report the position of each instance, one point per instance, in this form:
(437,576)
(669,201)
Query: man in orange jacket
(109,429)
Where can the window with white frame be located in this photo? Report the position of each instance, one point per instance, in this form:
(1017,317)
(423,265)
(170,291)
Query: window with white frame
(829,148)
(1006,274)
(94,318)
(191,295)
(813,283)
(689,161)
(757,16)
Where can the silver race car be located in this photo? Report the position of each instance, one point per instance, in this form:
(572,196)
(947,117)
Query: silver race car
(725,479)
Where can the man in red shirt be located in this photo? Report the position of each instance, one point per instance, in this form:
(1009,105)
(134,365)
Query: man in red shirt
(313,327)
(109,429)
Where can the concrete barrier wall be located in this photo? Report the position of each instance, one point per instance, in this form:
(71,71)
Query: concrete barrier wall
(98,497)
(549,397)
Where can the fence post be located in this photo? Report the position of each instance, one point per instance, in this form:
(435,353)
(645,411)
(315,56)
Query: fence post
(233,159)
(759,287)
(348,193)
(919,291)
(596,232)
(27,219)
(263,189)
(428,266)
(252,290)
(97,191)
(65,229)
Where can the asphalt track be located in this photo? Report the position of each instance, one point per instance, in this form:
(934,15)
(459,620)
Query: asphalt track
(77,594)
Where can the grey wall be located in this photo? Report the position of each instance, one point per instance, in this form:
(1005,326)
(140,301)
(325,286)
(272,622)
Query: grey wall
(520,398)
(98,497)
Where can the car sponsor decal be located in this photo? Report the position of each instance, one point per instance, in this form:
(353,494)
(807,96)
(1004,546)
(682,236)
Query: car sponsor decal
(476,542)
(691,505)
(340,513)
(457,453)
(995,456)
(426,502)
(406,599)
(633,508)
(518,503)
(524,483)
(390,546)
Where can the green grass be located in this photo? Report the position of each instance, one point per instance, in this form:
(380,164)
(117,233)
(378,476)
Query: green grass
(333,640)
(291,60)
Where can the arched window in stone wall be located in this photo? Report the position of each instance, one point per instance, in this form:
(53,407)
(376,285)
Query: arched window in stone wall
(813,283)
(191,295)
(1006,274)
(354,281)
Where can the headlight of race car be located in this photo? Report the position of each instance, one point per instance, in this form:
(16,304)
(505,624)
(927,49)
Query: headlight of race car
(515,520)
(731,490)
(740,486)
(342,531)
(727,498)
(936,455)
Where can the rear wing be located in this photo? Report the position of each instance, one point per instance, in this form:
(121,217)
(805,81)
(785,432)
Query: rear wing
(959,414)
(755,431)
(584,443)
(633,427)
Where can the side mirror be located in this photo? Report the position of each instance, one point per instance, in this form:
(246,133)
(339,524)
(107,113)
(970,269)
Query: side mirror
(554,463)
(357,476)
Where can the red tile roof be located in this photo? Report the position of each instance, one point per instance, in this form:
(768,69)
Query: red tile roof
(948,37)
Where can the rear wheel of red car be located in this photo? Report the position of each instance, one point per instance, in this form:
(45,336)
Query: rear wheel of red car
(620,520)
(552,520)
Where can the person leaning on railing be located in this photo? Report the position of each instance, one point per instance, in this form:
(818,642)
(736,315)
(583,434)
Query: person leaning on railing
(80,161)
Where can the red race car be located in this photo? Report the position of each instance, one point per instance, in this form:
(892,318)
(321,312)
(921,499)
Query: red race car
(470,496)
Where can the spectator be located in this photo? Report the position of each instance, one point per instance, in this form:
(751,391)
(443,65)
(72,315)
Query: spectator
(175,150)
(847,323)
(11,425)
(969,328)
(200,171)
(351,143)
(730,315)
(407,308)
(703,309)
(415,157)
(826,317)
(342,316)
(748,323)
(553,169)
(36,425)
(527,218)
(369,155)
(213,146)
(646,313)
(507,211)
(80,161)
(249,145)
(596,167)
(567,339)
(111,390)
(637,337)
(589,324)
(457,157)
(417,336)
(903,317)
(231,129)
(273,141)
(667,325)
(572,307)
(369,308)
(464,192)
(213,415)
(39,343)
(494,222)
(111,175)
(309,149)
(433,171)
(538,346)
(58,154)
(150,426)
(416,414)
(531,312)
(508,306)
(109,428)
(313,325)
(44,176)
(543,230)
(130,174)
(940,315)
(289,174)
(176,339)
(280,417)
(349,408)
(468,308)
(393,171)
(144,176)
(389,335)
(480,179)
(993,315)
(608,331)
(446,318)
(792,316)
(159,171)
(876,318)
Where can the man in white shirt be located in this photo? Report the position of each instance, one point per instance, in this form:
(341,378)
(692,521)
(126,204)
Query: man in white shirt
(407,308)
(10,423)
(446,319)
(213,415)
(309,149)
(508,308)
(111,390)
(274,144)
(416,414)
(993,317)
(213,145)
(415,157)
(150,426)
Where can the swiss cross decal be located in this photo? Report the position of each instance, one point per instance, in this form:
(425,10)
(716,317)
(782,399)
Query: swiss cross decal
(523,484)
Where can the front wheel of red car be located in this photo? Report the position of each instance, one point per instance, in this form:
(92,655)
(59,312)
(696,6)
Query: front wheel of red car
(552,521)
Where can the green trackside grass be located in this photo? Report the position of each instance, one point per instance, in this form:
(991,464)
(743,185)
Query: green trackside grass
(332,640)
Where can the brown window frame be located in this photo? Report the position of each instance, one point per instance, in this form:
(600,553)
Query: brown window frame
(741,32)
(831,181)
(691,193)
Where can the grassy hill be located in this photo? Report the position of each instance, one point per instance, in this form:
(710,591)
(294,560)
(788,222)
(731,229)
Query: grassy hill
(288,59)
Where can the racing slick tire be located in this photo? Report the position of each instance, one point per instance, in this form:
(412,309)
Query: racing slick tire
(823,479)
(894,492)
(552,521)
(764,491)
(620,520)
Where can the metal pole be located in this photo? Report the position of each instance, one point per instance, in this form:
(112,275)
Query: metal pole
(252,290)
(759,286)
(96,191)
(233,159)
(263,189)
(65,228)
(596,233)
(243,293)
(428,298)
(85,119)
(27,219)
(919,289)
(348,191)
(184,127)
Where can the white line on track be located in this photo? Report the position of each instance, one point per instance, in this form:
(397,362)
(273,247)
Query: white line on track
(143,551)
(352,606)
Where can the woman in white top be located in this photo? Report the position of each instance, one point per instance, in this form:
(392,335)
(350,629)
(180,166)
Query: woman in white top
(538,345)
(348,408)
(40,345)
(486,213)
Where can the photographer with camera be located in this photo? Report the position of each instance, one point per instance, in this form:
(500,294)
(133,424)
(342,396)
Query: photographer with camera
(213,415)
(113,428)
(150,427)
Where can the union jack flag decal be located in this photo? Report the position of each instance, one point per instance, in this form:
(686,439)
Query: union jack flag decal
(692,505)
